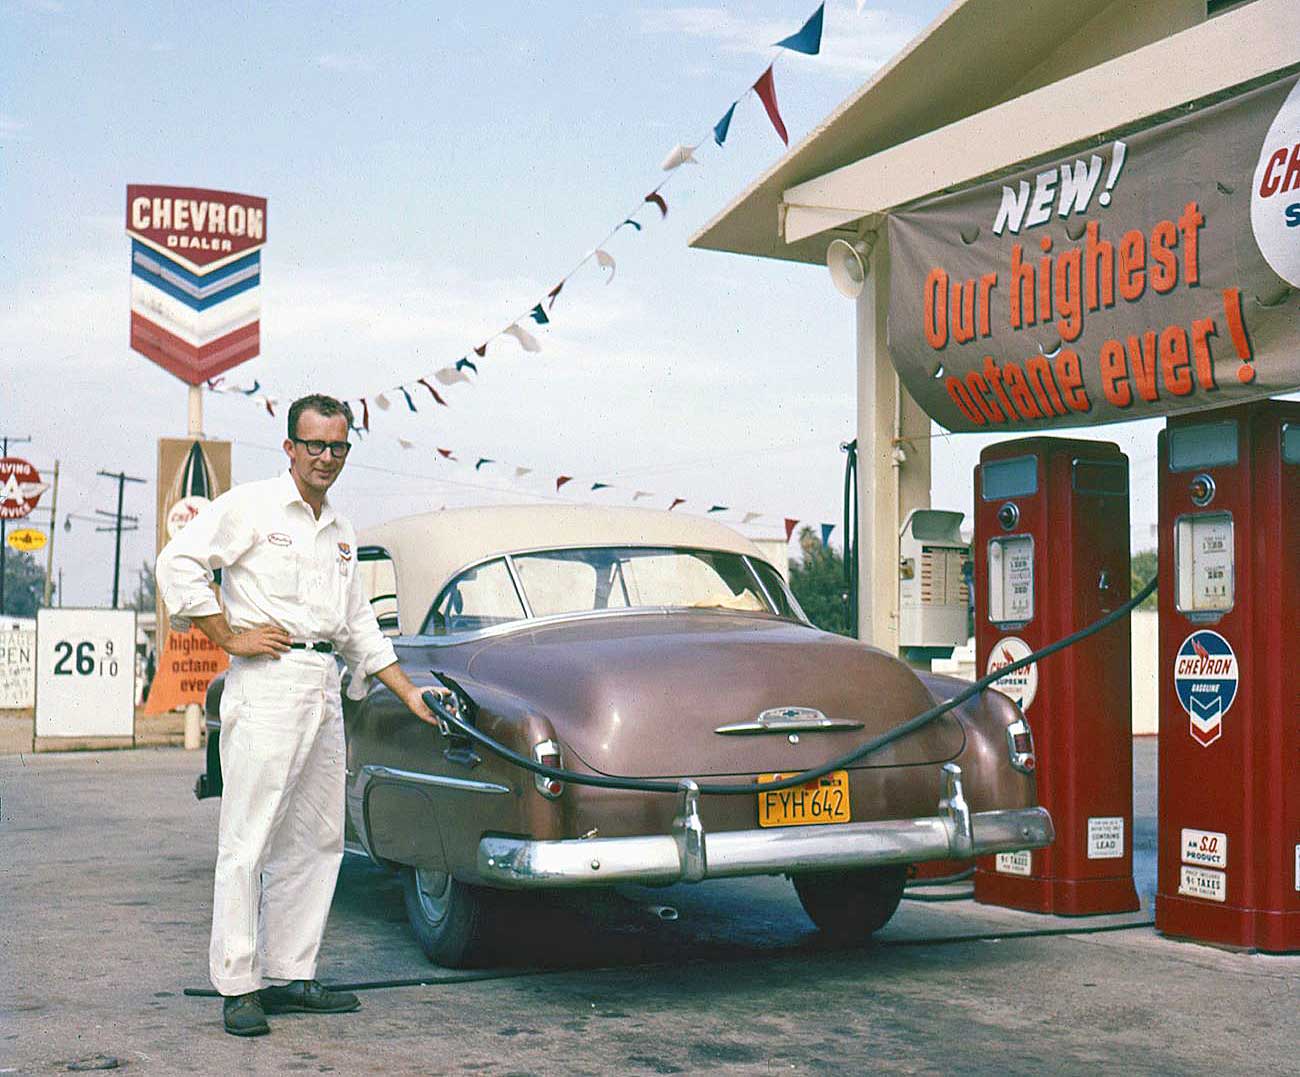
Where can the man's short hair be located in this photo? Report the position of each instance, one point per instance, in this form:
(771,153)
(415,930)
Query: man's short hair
(321,405)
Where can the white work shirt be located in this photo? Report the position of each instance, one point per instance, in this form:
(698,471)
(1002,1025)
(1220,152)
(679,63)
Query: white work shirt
(279,565)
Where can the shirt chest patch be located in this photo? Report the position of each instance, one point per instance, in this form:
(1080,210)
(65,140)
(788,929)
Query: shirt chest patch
(279,538)
(345,551)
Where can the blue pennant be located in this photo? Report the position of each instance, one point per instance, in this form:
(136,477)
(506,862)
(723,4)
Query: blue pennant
(809,38)
(826,533)
(481,461)
(538,315)
(723,125)
(462,364)
(409,402)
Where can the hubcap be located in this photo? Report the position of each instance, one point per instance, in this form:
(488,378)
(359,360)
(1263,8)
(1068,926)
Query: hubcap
(434,891)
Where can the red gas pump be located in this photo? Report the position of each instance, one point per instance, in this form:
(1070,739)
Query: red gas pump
(1229,770)
(1052,555)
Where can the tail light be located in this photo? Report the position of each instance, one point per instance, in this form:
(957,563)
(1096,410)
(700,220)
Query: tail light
(547,753)
(1020,746)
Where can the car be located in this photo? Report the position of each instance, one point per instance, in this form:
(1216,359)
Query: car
(648,645)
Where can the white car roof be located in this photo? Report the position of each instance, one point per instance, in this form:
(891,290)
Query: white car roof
(430,548)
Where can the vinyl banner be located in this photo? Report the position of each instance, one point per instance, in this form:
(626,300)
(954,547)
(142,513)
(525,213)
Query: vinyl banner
(1154,274)
(190,474)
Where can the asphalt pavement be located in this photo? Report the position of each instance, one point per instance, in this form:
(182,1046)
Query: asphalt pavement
(106,899)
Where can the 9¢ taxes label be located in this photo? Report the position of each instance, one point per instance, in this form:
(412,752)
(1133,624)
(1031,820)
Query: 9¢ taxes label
(1203,883)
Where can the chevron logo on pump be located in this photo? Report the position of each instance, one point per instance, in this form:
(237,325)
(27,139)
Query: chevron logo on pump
(1205,677)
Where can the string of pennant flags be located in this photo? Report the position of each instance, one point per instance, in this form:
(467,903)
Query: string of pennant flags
(431,388)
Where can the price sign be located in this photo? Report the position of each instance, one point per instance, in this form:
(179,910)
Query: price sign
(85,673)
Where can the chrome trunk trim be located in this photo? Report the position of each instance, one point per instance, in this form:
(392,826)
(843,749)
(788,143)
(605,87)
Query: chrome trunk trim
(789,720)
(689,854)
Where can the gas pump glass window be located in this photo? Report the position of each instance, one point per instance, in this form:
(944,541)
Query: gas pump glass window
(1290,443)
(1017,477)
(585,580)
(1203,445)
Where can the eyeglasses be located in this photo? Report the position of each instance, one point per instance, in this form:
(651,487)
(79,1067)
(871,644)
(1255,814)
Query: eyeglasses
(338,449)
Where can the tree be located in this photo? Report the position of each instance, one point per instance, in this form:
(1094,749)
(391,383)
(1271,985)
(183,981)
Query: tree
(817,581)
(143,599)
(1142,566)
(24,584)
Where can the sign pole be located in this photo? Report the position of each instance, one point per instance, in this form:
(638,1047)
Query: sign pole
(54,519)
(196,412)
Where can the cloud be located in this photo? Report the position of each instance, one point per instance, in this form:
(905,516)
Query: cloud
(852,44)
(12,130)
(347,63)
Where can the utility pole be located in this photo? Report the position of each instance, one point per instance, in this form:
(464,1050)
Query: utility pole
(122,479)
(3,543)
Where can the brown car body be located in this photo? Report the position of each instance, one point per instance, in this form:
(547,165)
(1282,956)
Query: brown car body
(647,692)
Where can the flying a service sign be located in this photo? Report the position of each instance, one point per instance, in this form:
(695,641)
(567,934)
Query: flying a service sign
(1150,275)
(20,488)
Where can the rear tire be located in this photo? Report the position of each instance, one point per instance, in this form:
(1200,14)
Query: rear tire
(848,906)
(447,917)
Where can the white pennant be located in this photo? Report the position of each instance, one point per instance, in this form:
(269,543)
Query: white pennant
(449,375)
(640,494)
(381,402)
(605,261)
(520,472)
(525,338)
(406,444)
(750,517)
(678,156)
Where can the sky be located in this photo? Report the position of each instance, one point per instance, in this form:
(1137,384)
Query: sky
(431,171)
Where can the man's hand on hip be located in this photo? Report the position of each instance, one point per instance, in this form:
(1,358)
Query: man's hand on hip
(270,640)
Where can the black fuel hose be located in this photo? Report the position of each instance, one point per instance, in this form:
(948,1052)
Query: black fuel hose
(651,785)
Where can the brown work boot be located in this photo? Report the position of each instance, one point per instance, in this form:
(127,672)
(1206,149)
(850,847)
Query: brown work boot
(308,996)
(243,1015)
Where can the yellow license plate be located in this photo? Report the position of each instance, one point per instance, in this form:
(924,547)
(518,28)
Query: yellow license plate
(822,800)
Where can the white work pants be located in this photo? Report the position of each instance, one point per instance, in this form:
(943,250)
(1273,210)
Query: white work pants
(281,831)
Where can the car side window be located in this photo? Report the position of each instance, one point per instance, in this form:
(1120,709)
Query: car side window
(775,588)
(478,598)
(379,580)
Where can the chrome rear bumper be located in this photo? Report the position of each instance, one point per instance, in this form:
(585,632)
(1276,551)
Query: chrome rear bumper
(688,854)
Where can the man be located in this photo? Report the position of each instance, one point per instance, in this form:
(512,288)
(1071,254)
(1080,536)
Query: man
(292,599)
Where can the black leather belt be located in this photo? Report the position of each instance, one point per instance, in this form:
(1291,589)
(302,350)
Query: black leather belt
(324,646)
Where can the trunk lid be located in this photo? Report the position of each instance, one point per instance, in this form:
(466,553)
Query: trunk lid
(644,695)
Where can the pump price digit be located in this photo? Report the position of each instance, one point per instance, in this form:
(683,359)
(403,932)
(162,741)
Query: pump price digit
(80,658)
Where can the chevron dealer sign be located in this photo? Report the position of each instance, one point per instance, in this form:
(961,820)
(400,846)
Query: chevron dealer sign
(196,271)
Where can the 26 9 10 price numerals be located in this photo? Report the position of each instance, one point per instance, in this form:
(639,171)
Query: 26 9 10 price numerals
(81,658)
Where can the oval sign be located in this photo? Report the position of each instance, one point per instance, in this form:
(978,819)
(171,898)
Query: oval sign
(1022,685)
(182,513)
(20,488)
(1275,195)
(26,539)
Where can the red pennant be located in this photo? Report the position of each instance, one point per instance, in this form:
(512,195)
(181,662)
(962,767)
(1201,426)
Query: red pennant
(562,480)
(789,527)
(481,350)
(269,406)
(446,454)
(657,199)
(435,393)
(765,87)
(553,295)
(365,415)
(676,501)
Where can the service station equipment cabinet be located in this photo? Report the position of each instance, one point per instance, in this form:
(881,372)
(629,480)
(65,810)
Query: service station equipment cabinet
(1229,768)
(933,589)
(1052,556)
